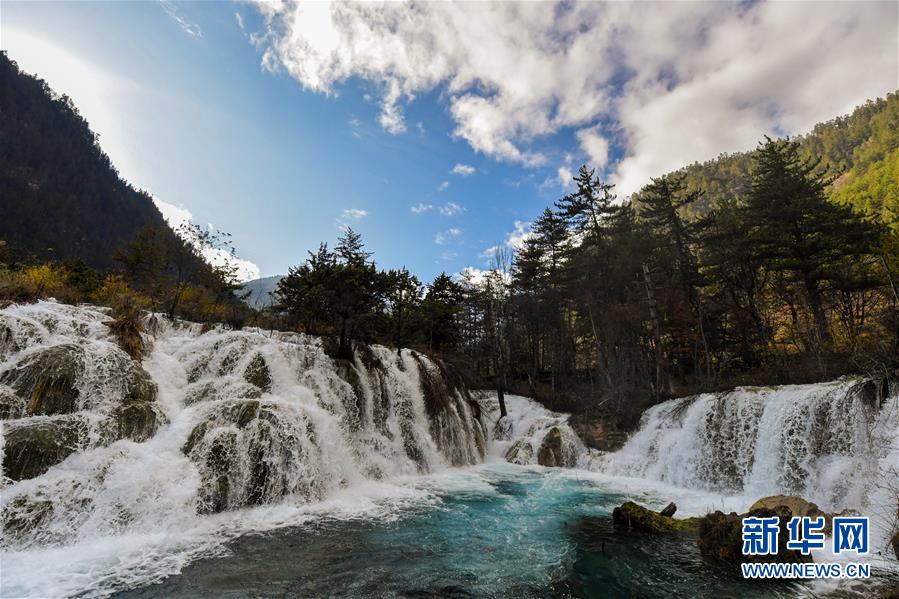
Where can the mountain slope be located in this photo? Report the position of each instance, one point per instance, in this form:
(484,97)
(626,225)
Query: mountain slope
(261,290)
(60,196)
(859,151)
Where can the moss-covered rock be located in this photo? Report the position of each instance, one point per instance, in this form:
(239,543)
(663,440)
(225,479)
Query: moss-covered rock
(141,387)
(721,537)
(257,373)
(137,421)
(630,516)
(797,506)
(11,405)
(47,379)
(32,445)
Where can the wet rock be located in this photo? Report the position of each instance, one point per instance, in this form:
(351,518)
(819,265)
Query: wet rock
(552,451)
(797,506)
(33,445)
(257,373)
(521,452)
(597,433)
(721,537)
(24,514)
(11,405)
(47,379)
(895,543)
(138,421)
(502,431)
(141,387)
(669,510)
(630,516)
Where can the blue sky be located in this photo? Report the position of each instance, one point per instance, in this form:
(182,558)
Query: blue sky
(279,124)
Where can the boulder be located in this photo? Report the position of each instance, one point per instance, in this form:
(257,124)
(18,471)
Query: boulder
(797,506)
(550,452)
(32,445)
(47,379)
(520,452)
(137,421)
(630,516)
(257,373)
(141,387)
(721,537)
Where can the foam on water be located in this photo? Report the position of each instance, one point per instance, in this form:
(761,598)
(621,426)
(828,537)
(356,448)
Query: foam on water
(239,449)
(248,418)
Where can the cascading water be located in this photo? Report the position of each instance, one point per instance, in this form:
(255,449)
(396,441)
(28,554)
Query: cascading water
(96,445)
(828,441)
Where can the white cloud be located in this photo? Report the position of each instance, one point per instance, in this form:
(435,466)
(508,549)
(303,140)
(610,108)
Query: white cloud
(422,208)
(194,30)
(451,209)
(348,216)
(464,170)
(516,238)
(675,81)
(176,216)
(594,146)
(443,186)
(444,236)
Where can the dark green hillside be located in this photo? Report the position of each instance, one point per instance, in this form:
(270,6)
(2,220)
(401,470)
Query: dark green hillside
(859,151)
(60,196)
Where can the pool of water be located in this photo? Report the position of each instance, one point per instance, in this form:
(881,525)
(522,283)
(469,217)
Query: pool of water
(495,530)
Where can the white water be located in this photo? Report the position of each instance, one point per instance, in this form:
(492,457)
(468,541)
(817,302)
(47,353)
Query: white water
(128,511)
(125,514)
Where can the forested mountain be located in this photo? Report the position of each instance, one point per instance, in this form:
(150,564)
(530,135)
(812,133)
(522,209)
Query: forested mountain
(859,152)
(60,196)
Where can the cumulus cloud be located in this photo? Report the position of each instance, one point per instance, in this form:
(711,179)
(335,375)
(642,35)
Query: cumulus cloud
(421,208)
(451,209)
(674,82)
(444,236)
(176,216)
(516,238)
(464,170)
(443,186)
(595,146)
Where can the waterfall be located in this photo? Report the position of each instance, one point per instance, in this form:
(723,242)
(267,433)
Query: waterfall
(834,443)
(95,444)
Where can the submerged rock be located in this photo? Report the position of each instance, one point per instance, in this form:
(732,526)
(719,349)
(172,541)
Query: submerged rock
(32,445)
(631,516)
